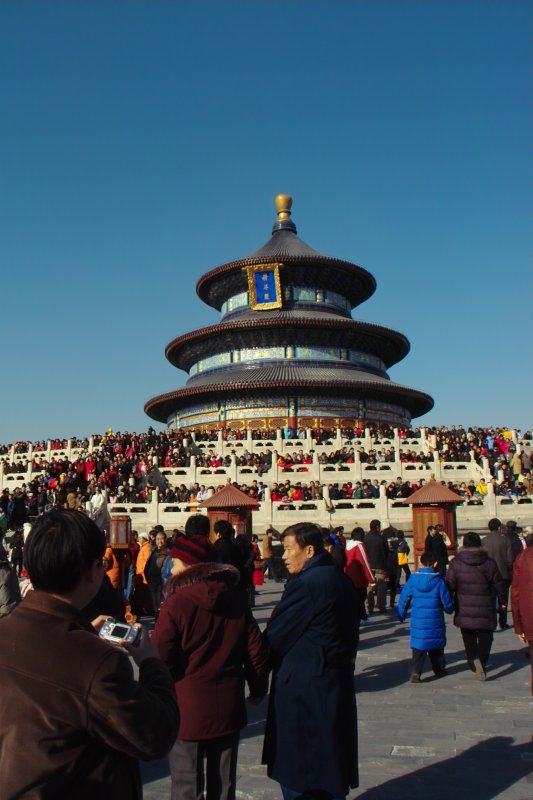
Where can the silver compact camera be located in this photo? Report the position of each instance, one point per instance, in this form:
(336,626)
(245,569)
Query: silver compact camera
(117,632)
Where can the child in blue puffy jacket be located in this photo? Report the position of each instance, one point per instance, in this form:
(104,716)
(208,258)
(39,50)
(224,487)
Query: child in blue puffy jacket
(428,594)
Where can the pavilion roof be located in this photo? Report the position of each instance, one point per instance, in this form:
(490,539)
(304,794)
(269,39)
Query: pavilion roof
(229,497)
(433,492)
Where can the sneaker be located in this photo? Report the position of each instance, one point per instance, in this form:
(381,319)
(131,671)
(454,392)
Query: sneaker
(415,678)
(480,671)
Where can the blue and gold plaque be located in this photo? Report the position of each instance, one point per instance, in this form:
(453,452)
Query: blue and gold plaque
(264,286)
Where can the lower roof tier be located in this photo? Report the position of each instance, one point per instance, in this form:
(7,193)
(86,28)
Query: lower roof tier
(290,381)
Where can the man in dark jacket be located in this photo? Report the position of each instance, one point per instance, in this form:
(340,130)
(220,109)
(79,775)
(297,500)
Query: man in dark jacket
(435,547)
(227,551)
(73,720)
(499,548)
(511,532)
(311,733)
(378,555)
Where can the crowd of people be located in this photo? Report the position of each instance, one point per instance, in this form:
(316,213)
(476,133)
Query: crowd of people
(128,467)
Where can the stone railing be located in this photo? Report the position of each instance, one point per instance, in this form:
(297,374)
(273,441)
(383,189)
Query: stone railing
(348,513)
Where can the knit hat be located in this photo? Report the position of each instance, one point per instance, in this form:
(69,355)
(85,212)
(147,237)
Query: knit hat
(144,535)
(192,549)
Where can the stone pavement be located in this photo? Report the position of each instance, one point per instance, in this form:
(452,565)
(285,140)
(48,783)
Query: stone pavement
(449,739)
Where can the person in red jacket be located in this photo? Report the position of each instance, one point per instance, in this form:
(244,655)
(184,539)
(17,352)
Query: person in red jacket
(358,568)
(208,637)
(522,600)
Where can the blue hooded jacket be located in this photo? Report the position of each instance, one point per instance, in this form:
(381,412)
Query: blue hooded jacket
(429,595)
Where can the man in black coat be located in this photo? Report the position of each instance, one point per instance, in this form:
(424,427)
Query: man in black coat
(499,548)
(311,733)
(377,550)
(435,546)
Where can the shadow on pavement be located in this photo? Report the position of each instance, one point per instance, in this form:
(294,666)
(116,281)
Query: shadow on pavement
(482,772)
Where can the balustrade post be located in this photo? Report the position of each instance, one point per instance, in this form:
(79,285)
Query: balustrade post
(249,440)
(514,436)
(275,468)
(220,440)
(490,500)
(1,476)
(383,509)
(368,440)
(154,508)
(233,468)
(485,465)
(29,471)
(308,434)
(69,449)
(192,467)
(423,436)
(91,444)
(49,450)
(11,453)
(30,452)
(396,438)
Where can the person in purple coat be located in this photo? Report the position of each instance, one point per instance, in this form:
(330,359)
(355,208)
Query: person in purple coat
(475,582)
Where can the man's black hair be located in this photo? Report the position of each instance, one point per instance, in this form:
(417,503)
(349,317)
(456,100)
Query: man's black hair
(224,528)
(357,535)
(60,547)
(306,534)
(471,539)
(494,524)
(427,560)
(198,526)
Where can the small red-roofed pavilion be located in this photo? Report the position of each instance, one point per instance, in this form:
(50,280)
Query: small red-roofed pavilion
(433,504)
(230,504)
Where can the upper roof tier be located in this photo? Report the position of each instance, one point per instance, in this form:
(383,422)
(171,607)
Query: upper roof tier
(346,278)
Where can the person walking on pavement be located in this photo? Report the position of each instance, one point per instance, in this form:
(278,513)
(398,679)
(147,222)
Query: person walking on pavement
(268,555)
(475,582)
(427,594)
(522,601)
(378,555)
(498,546)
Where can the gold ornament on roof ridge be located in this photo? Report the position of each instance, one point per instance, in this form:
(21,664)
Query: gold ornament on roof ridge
(283,203)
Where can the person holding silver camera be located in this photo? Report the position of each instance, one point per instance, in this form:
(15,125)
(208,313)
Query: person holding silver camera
(73,719)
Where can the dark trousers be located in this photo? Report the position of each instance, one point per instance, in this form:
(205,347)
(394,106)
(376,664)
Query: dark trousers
(190,781)
(477,646)
(403,568)
(502,612)
(307,794)
(435,656)
(269,563)
(361,597)
(379,592)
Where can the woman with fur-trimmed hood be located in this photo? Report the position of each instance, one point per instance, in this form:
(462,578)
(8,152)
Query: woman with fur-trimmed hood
(207,636)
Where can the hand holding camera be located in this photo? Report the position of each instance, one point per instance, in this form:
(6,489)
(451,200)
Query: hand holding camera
(135,639)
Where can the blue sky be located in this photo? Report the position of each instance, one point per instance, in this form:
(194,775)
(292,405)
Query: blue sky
(142,143)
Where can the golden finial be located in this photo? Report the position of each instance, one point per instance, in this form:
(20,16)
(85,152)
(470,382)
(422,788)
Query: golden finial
(283,203)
